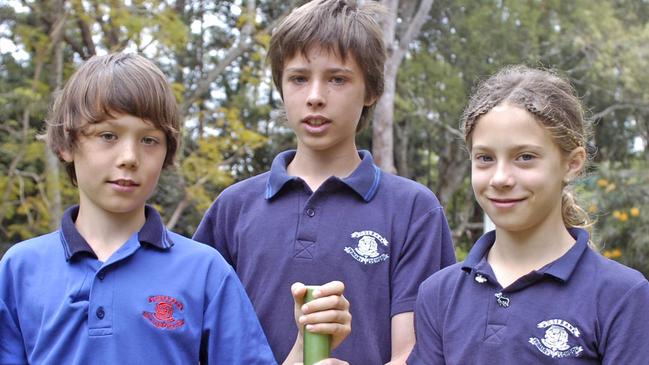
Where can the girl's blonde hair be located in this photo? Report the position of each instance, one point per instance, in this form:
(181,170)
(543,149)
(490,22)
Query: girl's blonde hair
(552,100)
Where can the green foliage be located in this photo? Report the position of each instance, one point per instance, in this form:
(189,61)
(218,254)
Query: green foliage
(619,200)
(230,133)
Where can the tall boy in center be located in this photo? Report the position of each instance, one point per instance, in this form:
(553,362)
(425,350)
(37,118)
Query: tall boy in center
(324,211)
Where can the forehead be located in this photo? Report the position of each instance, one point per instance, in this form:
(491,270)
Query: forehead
(508,125)
(320,56)
(125,122)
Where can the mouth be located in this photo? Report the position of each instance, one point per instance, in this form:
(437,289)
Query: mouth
(505,201)
(500,203)
(316,121)
(124,182)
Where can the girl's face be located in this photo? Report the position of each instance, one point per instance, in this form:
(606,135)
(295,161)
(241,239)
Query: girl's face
(517,170)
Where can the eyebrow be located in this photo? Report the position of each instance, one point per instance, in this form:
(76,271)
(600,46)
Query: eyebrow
(329,70)
(516,147)
(149,128)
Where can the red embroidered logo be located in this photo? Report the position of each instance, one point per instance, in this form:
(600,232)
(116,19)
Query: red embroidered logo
(163,317)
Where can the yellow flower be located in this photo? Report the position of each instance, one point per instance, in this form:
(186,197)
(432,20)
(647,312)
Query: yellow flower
(610,188)
(623,217)
(634,212)
(612,254)
(602,183)
(592,208)
(617,253)
(616,214)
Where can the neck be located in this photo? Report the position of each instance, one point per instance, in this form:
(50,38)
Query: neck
(515,254)
(315,167)
(106,232)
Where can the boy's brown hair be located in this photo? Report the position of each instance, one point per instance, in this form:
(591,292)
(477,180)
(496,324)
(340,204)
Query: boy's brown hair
(104,87)
(339,26)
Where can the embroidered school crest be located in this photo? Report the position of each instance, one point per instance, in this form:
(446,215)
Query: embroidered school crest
(556,342)
(371,247)
(163,316)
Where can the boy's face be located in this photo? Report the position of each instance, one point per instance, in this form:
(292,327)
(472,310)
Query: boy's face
(118,163)
(324,98)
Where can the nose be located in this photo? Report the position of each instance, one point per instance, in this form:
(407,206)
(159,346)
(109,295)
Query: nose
(502,177)
(316,96)
(129,155)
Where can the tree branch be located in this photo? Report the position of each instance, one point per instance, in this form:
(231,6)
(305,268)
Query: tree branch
(245,43)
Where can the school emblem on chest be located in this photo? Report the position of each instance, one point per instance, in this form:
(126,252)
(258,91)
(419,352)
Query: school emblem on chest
(556,342)
(371,247)
(163,316)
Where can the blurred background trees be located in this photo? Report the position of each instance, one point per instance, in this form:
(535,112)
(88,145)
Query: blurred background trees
(214,54)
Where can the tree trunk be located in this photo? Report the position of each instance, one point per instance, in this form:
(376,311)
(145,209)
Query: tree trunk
(52,170)
(452,166)
(402,133)
(382,132)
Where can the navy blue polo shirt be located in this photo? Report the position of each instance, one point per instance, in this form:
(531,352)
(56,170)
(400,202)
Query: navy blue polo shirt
(580,309)
(159,299)
(380,234)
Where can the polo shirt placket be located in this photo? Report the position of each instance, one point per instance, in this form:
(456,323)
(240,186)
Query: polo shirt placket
(310,209)
(579,309)
(378,233)
(148,303)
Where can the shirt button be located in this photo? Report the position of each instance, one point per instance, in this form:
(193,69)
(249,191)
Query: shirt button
(100,313)
(310,212)
(101,275)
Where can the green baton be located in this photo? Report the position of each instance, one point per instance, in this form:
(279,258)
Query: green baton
(316,346)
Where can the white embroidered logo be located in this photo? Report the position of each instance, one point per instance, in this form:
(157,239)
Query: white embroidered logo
(368,250)
(555,343)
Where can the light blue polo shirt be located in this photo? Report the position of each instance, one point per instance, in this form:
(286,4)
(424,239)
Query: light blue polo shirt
(159,299)
(378,233)
(580,309)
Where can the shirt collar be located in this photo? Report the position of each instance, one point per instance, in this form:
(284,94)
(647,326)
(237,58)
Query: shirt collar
(153,232)
(364,180)
(562,268)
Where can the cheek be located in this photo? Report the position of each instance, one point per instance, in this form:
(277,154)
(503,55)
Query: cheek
(479,179)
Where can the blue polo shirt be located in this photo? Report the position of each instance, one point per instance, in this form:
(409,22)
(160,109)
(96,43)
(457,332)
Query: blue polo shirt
(159,299)
(380,234)
(580,309)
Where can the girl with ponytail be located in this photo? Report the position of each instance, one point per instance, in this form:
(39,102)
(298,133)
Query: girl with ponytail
(532,291)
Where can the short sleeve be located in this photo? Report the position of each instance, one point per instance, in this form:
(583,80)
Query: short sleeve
(428,248)
(12,350)
(231,331)
(211,230)
(626,339)
(428,346)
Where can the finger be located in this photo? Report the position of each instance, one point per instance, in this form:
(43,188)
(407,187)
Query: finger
(336,302)
(331,362)
(330,288)
(298,290)
(330,316)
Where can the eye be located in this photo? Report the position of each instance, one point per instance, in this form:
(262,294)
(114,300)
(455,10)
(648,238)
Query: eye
(150,141)
(297,79)
(526,157)
(483,158)
(338,80)
(108,136)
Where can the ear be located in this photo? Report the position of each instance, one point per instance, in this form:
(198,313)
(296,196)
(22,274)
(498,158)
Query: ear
(66,155)
(575,163)
(370,100)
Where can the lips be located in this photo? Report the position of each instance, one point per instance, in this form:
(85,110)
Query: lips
(501,203)
(124,182)
(505,201)
(316,121)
